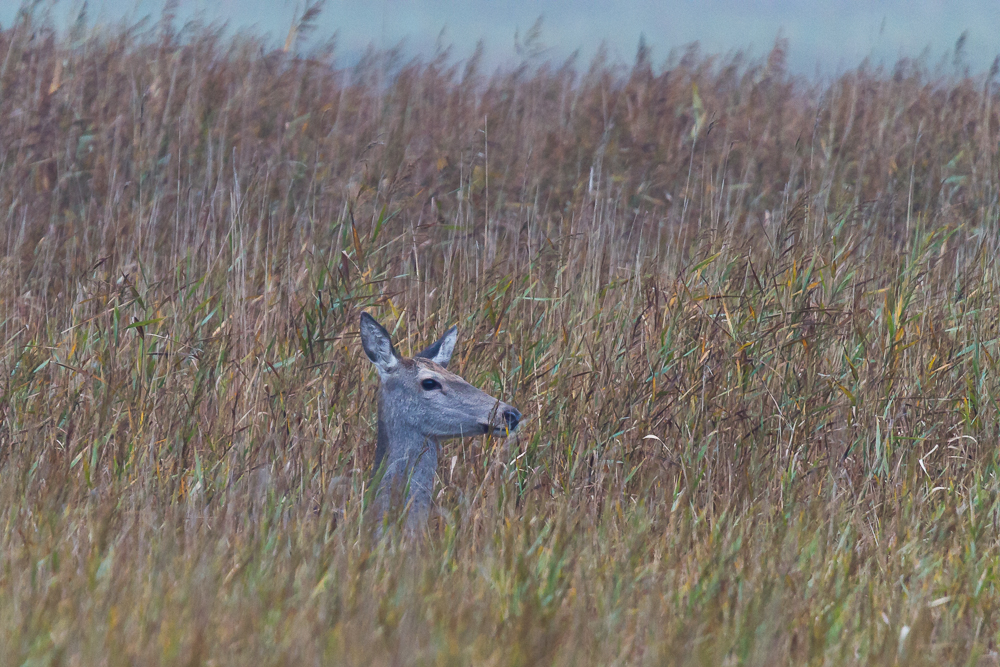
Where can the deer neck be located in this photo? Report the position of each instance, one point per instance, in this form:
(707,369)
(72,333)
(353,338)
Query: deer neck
(399,445)
(409,459)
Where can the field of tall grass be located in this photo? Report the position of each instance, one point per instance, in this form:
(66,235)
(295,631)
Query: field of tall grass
(751,320)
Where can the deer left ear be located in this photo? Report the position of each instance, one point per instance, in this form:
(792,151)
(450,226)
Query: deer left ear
(440,352)
(377,345)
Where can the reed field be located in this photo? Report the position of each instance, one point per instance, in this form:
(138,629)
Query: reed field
(751,320)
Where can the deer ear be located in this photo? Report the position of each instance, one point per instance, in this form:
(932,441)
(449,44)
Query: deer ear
(440,352)
(377,344)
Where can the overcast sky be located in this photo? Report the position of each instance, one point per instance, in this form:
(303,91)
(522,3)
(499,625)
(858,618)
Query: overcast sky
(832,35)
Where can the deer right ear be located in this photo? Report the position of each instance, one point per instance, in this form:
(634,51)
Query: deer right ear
(440,352)
(377,344)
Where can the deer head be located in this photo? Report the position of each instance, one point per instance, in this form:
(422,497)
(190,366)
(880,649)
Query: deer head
(422,395)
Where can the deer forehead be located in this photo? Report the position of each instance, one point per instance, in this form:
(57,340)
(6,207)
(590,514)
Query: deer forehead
(425,368)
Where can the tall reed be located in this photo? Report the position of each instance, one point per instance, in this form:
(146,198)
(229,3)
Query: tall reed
(751,320)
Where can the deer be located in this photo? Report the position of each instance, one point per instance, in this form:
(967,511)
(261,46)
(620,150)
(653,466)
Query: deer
(421,403)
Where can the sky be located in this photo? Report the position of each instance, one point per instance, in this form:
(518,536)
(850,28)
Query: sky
(824,37)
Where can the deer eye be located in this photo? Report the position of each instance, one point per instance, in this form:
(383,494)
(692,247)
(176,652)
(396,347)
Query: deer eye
(430,385)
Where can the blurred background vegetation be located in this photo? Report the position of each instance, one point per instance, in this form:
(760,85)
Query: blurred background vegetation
(751,321)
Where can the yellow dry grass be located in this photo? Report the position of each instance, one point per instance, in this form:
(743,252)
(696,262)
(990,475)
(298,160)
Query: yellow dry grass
(751,321)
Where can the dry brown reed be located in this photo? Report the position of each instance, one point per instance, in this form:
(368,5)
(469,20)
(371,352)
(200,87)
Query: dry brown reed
(751,321)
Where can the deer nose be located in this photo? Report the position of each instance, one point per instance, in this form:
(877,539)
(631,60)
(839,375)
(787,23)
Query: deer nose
(512,417)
